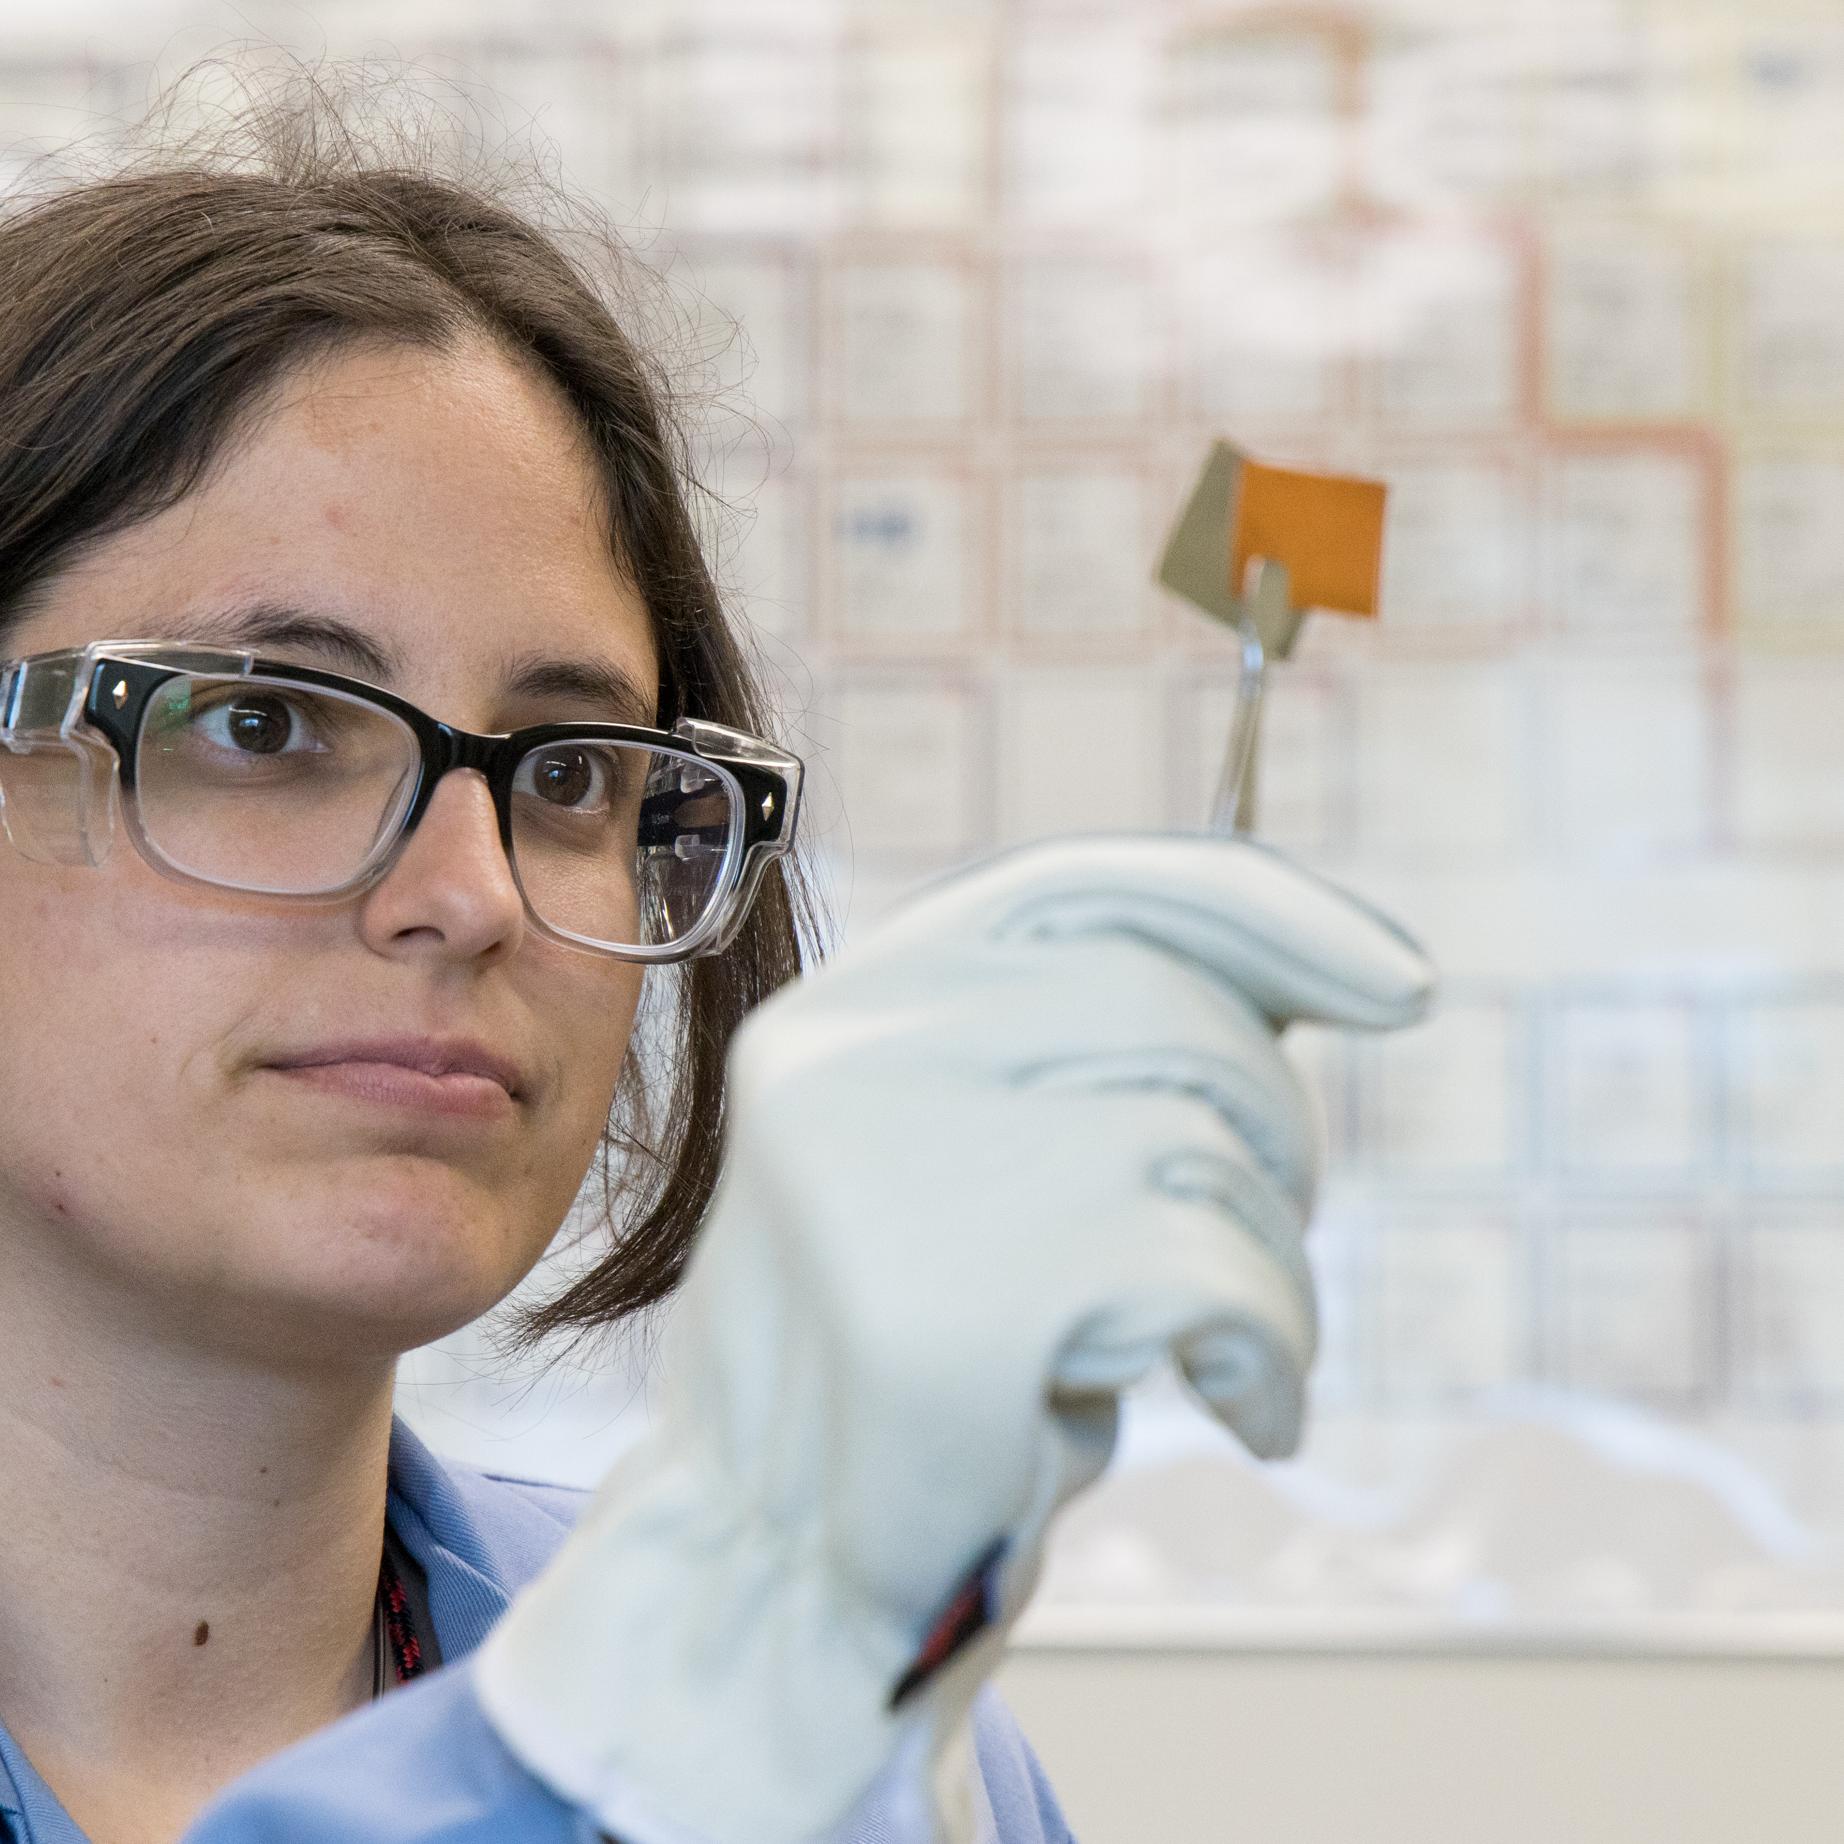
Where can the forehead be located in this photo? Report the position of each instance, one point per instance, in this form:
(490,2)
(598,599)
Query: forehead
(445,502)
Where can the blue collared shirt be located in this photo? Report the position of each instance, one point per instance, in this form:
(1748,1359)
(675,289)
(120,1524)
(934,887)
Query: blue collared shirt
(423,1765)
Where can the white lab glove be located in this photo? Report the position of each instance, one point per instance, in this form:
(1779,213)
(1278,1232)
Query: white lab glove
(983,1171)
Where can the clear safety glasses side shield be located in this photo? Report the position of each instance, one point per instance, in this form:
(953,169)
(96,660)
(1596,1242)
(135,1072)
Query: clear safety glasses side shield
(290,782)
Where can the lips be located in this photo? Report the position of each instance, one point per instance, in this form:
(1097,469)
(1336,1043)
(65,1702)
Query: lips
(431,1056)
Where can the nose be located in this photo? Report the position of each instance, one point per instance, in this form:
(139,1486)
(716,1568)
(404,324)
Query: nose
(450,891)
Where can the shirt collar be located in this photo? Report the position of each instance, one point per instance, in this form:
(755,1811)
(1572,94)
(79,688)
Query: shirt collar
(478,1537)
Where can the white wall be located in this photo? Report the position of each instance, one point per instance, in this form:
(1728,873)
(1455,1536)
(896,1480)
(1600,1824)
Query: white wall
(1215,1747)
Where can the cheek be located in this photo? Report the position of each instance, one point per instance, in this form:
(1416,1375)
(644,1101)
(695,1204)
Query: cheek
(595,1028)
(93,1069)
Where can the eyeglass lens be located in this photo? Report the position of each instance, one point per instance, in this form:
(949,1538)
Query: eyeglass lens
(292,789)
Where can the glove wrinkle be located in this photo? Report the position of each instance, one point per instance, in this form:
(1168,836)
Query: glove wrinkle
(1287,974)
(1243,1197)
(1281,1139)
(1282,984)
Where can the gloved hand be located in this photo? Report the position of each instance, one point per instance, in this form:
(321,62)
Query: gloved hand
(983,1171)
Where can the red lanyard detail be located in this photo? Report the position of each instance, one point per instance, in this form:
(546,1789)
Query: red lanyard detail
(399,1626)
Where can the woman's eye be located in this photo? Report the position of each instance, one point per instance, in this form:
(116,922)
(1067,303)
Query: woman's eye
(576,778)
(258,723)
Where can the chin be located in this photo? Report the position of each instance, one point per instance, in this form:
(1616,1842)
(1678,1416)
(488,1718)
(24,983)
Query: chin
(314,1325)
(386,1276)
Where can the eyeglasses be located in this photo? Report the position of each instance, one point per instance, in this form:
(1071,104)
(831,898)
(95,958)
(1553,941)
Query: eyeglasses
(289,782)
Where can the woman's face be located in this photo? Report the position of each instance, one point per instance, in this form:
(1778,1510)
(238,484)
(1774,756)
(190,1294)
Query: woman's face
(152,1152)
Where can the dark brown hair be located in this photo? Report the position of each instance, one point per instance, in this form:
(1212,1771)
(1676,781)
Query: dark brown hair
(146,313)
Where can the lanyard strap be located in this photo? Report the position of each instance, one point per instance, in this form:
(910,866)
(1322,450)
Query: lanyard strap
(401,1652)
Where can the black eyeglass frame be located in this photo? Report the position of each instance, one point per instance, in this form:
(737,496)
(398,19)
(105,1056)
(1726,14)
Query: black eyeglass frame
(48,700)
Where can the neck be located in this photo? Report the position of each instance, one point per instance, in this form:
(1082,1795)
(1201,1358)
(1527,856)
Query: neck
(189,1557)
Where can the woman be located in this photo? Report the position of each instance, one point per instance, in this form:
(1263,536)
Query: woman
(360,420)
(321,478)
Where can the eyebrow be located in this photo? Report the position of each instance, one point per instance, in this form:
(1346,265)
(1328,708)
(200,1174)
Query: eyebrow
(594,681)
(528,675)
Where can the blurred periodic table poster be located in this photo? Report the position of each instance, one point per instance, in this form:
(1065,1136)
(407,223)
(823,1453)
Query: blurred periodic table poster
(1570,276)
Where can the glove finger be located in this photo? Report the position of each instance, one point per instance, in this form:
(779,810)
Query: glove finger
(1247,1379)
(1243,1364)
(1148,1216)
(1234,1310)
(1250,1370)
(1245,916)
(1241,1076)
(1102,1012)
